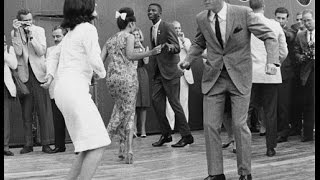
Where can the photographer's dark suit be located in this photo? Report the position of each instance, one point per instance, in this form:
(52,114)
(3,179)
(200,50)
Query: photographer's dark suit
(167,80)
(307,80)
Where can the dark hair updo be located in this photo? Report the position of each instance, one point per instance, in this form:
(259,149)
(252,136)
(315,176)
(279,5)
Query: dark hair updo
(122,24)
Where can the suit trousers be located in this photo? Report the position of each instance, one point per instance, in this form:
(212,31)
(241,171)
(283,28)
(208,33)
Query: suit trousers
(59,126)
(213,110)
(284,107)
(309,106)
(40,100)
(7,105)
(161,89)
(297,99)
(266,95)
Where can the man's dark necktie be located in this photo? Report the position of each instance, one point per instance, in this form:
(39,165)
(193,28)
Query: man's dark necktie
(217,28)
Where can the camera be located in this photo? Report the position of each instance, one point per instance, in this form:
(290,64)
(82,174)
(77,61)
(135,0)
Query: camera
(25,23)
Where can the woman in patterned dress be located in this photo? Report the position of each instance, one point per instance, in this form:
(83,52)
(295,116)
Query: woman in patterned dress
(143,97)
(122,80)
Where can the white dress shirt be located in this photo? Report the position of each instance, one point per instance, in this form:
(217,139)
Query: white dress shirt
(155,31)
(222,14)
(10,62)
(313,36)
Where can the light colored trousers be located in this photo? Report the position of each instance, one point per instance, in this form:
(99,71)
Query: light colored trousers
(213,111)
(184,97)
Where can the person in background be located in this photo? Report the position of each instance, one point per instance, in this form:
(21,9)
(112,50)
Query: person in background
(298,26)
(185,80)
(72,64)
(122,80)
(287,75)
(9,93)
(297,112)
(166,78)
(264,91)
(29,42)
(58,121)
(225,30)
(143,96)
(304,50)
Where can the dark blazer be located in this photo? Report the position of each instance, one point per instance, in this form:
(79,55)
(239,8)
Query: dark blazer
(287,66)
(236,54)
(301,46)
(166,62)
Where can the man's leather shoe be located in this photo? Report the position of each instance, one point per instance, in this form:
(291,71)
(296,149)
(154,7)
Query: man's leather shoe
(184,141)
(271,152)
(262,134)
(216,177)
(7,153)
(306,139)
(254,130)
(47,149)
(26,149)
(163,139)
(245,177)
(59,149)
(281,139)
(294,133)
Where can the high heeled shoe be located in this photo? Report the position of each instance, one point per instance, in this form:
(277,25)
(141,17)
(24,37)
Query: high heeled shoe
(129,158)
(121,152)
(225,145)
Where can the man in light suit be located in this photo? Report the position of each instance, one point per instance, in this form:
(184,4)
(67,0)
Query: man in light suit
(225,30)
(29,42)
(185,80)
(264,92)
(167,78)
(304,50)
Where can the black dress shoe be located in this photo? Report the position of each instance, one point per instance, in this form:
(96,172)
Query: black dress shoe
(254,130)
(245,177)
(294,133)
(281,139)
(184,141)
(216,177)
(225,145)
(163,139)
(47,149)
(306,139)
(271,152)
(262,134)
(59,149)
(8,153)
(26,149)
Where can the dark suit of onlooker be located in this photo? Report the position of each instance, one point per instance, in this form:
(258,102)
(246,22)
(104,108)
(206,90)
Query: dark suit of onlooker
(304,50)
(167,78)
(287,74)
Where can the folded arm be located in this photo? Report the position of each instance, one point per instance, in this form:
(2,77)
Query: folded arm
(39,42)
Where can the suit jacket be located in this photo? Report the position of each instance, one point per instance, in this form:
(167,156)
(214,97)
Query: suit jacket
(287,67)
(166,62)
(301,46)
(236,54)
(30,51)
(10,63)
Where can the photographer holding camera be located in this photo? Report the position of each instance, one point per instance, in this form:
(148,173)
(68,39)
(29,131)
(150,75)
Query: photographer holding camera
(29,42)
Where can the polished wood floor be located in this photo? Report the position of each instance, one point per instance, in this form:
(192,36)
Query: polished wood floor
(294,160)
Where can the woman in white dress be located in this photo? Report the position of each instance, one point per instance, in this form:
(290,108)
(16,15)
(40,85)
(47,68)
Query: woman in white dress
(72,64)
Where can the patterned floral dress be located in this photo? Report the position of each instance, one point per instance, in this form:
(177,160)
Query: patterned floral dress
(122,82)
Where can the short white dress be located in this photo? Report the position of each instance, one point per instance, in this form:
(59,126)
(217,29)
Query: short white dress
(74,60)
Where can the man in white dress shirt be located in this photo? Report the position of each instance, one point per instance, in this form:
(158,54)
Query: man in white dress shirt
(185,80)
(264,90)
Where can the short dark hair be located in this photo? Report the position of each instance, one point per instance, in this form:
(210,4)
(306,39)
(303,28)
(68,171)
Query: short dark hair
(282,10)
(64,31)
(76,12)
(122,24)
(158,5)
(256,4)
(22,12)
